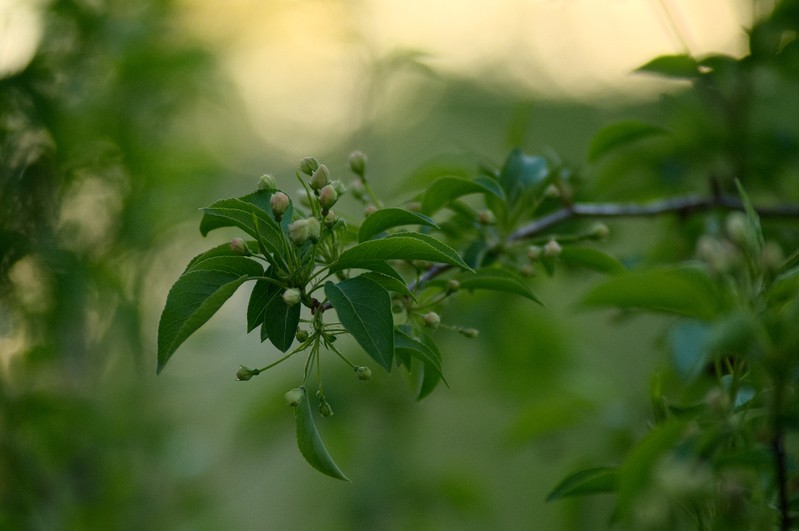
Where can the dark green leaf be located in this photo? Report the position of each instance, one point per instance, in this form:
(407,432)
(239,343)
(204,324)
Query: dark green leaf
(261,293)
(416,349)
(673,66)
(495,279)
(431,376)
(390,283)
(364,308)
(402,246)
(310,444)
(280,321)
(522,172)
(196,296)
(589,481)
(593,259)
(446,189)
(387,218)
(619,135)
(220,250)
(382,267)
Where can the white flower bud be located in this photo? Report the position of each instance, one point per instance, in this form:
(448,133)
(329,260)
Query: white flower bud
(267,182)
(291,296)
(294,396)
(298,231)
(314,229)
(552,249)
(327,197)
(431,320)
(279,203)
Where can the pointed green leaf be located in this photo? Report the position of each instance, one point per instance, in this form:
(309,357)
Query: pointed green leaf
(414,348)
(310,443)
(754,220)
(685,291)
(522,172)
(387,218)
(382,267)
(196,296)
(431,376)
(280,321)
(589,481)
(618,135)
(447,189)
(261,293)
(401,246)
(220,250)
(673,66)
(390,283)
(364,308)
(495,279)
(593,259)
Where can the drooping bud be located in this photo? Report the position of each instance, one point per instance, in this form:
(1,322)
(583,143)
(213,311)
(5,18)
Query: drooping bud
(314,229)
(358,163)
(599,231)
(327,198)
(339,186)
(291,296)
(244,374)
(301,335)
(267,182)
(363,373)
(239,246)
(552,249)
(294,396)
(453,286)
(279,203)
(358,190)
(320,178)
(431,320)
(534,252)
(298,231)
(309,165)
(471,333)
(324,408)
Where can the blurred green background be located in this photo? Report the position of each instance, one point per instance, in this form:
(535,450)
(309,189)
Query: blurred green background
(119,119)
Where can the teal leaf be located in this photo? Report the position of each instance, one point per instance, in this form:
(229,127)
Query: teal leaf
(522,172)
(592,259)
(196,296)
(364,308)
(310,443)
(687,291)
(688,341)
(619,135)
(447,189)
(672,66)
(588,481)
(401,246)
(387,218)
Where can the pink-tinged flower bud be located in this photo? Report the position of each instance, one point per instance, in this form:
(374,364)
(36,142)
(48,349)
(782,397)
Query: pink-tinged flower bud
(314,229)
(471,333)
(294,396)
(279,203)
(327,197)
(358,163)
(320,178)
(552,249)
(431,320)
(363,373)
(369,210)
(309,165)
(244,374)
(267,182)
(298,231)
(239,246)
(291,296)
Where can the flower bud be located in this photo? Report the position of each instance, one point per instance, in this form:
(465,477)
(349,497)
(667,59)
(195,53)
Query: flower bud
(320,178)
(431,320)
(527,270)
(314,229)
(552,191)
(301,335)
(363,373)
(302,197)
(279,203)
(737,227)
(239,246)
(471,333)
(453,286)
(291,296)
(309,165)
(298,231)
(294,396)
(330,218)
(534,252)
(369,210)
(339,187)
(358,190)
(324,408)
(486,217)
(358,163)
(599,231)
(552,249)
(267,182)
(327,197)
(244,374)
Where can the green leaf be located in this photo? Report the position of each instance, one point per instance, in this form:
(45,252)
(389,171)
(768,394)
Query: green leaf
(754,221)
(382,267)
(618,135)
(401,246)
(685,291)
(495,279)
(280,321)
(522,172)
(593,259)
(589,481)
(310,444)
(689,353)
(364,308)
(220,250)
(672,66)
(390,283)
(261,293)
(409,346)
(431,376)
(196,296)
(447,189)
(387,218)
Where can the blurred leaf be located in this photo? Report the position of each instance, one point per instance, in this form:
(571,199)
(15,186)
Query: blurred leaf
(402,246)
(196,296)
(689,353)
(754,221)
(589,481)
(386,218)
(364,308)
(520,173)
(447,189)
(593,259)
(495,279)
(548,414)
(619,135)
(685,291)
(310,443)
(673,66)
(431,375)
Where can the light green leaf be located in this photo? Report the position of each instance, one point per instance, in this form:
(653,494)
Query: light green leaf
(196,296)
(618,135)
(387,218)
(589,481)
(673,66)
(310,443)
(401,246)
(364,308)
(685,291)
(447,189)
(593,259)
